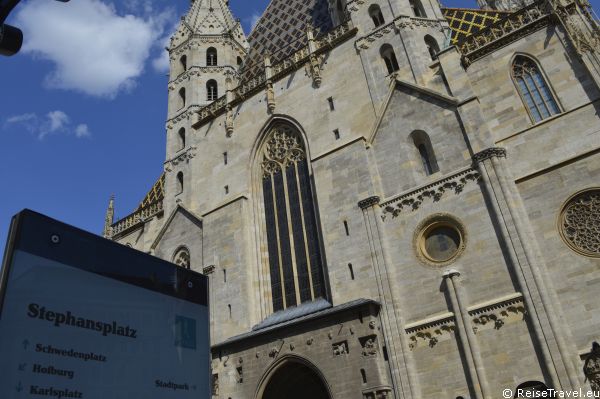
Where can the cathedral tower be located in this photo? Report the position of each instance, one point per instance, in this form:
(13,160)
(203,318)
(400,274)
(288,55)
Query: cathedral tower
(206,53)
(207,49)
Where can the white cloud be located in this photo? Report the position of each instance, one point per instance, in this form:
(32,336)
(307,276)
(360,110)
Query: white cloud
(57,120)
(54,122)
(21,118)
(162,62)
(94,49)
(82,131)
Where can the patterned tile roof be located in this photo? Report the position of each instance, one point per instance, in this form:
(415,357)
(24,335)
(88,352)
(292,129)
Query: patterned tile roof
(156,193)
(465,21)
(281,31)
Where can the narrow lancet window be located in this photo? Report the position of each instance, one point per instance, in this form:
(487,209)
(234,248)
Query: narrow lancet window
(211,57)
(432,47)
(534,90)
(181,135)
(182,97)
(389,57)
(179,182)
(423,145)
(417,9)
(376,15)
(183,61)
(292,235)
(212,90)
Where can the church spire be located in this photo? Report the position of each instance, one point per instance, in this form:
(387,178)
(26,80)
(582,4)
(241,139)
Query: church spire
(209,17)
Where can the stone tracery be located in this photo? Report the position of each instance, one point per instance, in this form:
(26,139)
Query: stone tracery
(580,223)
(182,258)
(282,149)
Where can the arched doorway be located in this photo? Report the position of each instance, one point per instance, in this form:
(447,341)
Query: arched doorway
(295,380)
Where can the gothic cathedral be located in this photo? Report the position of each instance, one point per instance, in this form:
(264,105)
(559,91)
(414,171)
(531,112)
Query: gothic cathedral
(391,199)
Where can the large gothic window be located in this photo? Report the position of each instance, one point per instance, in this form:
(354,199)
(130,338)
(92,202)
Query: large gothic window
(292,235)
(533,89)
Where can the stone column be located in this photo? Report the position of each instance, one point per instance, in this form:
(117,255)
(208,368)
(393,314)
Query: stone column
(392,327)
(468,341)
(509,215)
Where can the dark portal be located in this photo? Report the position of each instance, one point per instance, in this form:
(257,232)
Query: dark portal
(295,381)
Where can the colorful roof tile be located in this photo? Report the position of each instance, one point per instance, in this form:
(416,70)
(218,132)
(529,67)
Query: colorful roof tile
(281,31)
(157,193)
(466,21)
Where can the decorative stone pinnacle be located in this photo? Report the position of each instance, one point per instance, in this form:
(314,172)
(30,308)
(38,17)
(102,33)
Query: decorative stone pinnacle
(110,217)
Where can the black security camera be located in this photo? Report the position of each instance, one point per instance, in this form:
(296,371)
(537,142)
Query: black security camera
(11,38)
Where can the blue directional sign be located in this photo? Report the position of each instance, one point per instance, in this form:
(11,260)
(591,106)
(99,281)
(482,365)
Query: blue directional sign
(84,317)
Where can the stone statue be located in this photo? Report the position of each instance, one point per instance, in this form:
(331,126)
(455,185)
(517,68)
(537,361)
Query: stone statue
(591,367)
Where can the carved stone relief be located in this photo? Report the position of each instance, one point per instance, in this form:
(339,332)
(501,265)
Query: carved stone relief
(384,393)
(341,348)
(273,352)
(369,345)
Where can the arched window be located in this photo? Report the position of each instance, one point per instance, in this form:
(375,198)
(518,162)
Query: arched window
(240,62)
(211,57)
(389,57)
(423,145)
(432,47)
(528,389)
(376,15)
(183,61)
(182,258)
(179,182)
(290,216)
(212,90)
(182,97)
(181,136)
(534,90)
(417,9)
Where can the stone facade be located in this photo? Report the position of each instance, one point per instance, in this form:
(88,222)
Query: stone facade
(456,217)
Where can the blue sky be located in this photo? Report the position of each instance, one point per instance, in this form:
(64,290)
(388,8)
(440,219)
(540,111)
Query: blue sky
(83,105)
